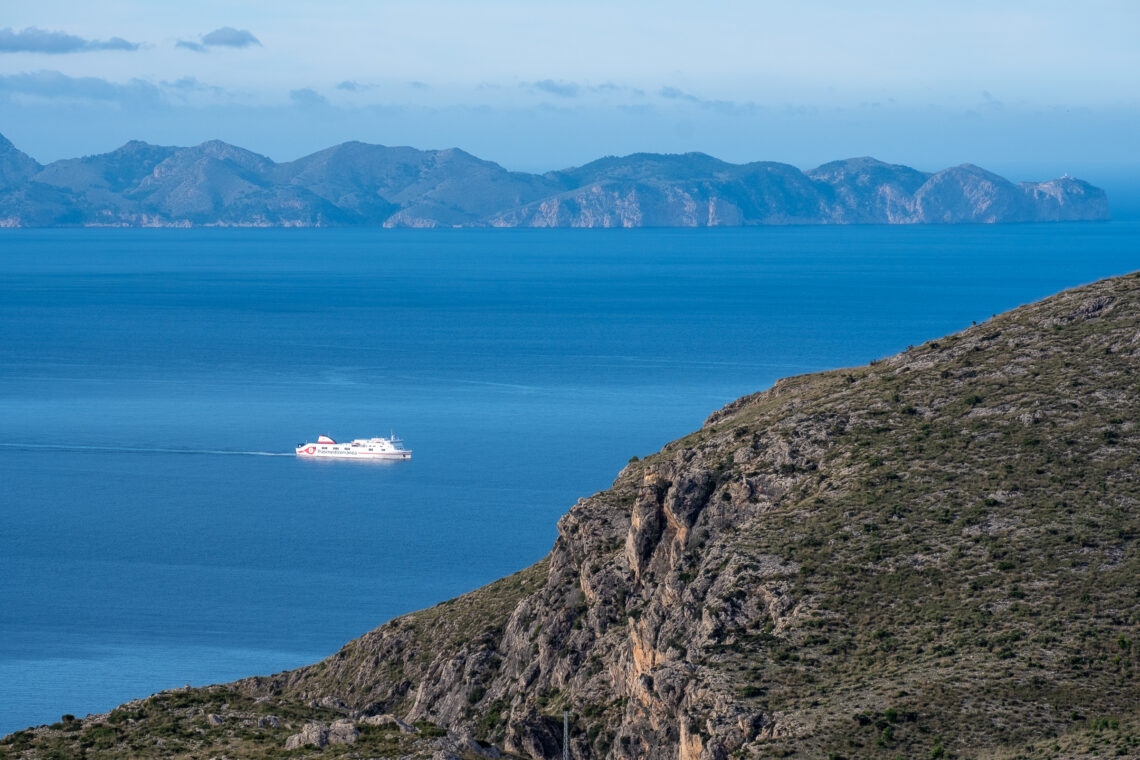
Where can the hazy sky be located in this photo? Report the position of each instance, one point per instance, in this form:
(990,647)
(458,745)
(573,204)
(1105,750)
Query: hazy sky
(1021,87)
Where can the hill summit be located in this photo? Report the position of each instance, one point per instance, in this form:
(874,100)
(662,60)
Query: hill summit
(932,556)
(357,184)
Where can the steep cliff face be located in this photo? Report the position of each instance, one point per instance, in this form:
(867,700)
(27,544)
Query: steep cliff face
(375,185)
(866,191)
(931,556)
(1065,199)
(694,190)
(947,535)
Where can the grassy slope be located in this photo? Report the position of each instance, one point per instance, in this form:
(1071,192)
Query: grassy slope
(967,538)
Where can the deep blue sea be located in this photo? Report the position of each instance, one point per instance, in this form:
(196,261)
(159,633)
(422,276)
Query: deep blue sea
(156,531)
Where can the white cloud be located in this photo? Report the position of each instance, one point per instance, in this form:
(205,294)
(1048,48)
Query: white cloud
(308,98)
(55,85)
(225,36)
(35,40)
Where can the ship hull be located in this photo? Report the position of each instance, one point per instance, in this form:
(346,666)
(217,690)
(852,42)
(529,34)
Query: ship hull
(319,454)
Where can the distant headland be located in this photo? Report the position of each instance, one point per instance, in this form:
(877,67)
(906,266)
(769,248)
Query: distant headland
(357,184)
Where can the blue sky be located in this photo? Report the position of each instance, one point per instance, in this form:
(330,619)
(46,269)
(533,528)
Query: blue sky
(1026,88)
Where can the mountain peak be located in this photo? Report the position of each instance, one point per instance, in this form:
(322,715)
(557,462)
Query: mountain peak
(855,161)
(224,150)
(134,145)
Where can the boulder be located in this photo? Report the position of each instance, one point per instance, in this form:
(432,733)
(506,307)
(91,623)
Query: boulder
(316,734)
(466,742)
(333,703)
(343,732)
(389,720)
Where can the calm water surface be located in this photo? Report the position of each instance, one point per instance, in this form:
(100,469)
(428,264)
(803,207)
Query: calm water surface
(153,534)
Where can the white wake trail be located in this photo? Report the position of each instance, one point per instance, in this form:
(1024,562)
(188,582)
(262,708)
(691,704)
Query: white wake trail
(142,450)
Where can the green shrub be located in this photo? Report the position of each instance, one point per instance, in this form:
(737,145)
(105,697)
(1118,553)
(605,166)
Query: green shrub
(430,730)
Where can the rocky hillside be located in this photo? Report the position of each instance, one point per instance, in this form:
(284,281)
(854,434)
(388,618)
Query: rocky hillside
(933,556)
(141,185)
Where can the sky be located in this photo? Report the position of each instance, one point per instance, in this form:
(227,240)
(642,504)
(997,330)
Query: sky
(1029,89)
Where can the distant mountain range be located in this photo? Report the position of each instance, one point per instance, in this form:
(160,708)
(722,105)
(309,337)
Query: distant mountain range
(357,184)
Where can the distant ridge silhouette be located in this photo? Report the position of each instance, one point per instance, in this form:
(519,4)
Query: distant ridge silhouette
(358,184)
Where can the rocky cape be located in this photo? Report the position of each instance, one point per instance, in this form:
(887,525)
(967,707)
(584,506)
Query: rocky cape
(933,556)
(356,184)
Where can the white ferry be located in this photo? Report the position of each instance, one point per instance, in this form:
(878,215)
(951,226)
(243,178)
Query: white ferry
(361,448)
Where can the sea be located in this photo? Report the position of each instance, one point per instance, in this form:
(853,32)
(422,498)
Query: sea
(156,529)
